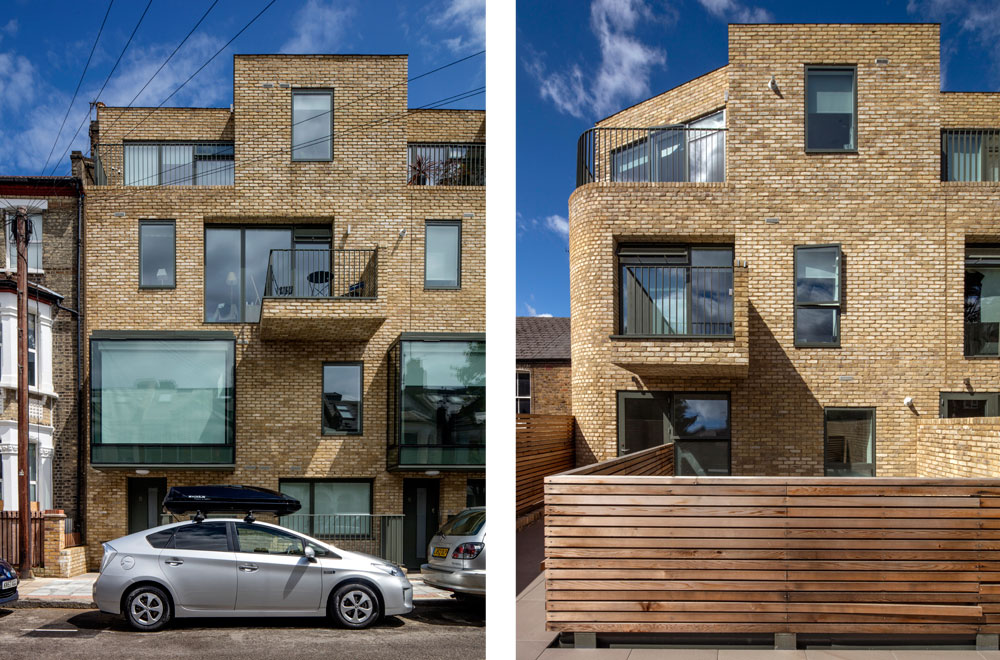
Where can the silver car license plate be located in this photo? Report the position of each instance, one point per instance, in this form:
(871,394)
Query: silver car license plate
(9,584)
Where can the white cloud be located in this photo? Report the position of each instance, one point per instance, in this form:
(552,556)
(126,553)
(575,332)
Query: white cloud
(319,27)
(9,28)
(625,68)
(467,19)
(733,10)
(980,20)
(533,312)
(558,224)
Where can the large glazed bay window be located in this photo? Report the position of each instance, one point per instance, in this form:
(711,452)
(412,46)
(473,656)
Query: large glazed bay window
(162,399)
(982,301)
(817,295)
(679,291)
(831,109)
(849,447)
(178,164)
(437,401)
(697,424)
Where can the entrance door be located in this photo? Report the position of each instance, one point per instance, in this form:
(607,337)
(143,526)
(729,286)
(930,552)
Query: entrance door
(145,498)
(643,421)
(420,519)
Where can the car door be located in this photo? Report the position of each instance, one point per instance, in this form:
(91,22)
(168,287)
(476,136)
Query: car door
(273,573)
(200,567)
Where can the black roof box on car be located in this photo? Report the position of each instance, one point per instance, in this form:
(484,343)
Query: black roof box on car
(226,499)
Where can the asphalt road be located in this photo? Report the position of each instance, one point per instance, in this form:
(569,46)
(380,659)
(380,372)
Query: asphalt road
(438,629)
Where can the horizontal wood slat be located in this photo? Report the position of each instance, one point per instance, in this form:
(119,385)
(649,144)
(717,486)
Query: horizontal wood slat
(544,447)
(647,553)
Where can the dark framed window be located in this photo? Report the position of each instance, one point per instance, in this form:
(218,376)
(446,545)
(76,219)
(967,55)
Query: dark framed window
(312,124)
(475,492)
(817,295)
(831,109)
(179,164)
(684,291)
(157,254)
(849,442)
(698,423)
(331,508)
(964,404)
(162,398)
(343,388)
(982,301)
(522,396)
(443,254)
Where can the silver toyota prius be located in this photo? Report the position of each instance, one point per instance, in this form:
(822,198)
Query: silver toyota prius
(225,567)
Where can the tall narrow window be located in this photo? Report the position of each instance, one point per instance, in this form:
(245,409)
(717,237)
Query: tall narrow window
(831,113)
(32,472)
(817,295)
(34,255)
(850,442)
(443,254)
(32,350)
(312,125)
(342,388)
(523,393)
(982,301)
(156,254)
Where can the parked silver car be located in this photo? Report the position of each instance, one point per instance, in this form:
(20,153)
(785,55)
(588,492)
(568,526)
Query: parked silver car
(457,555)
(225,567)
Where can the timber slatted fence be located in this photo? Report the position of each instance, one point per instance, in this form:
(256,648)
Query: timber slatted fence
(544,447)
(760,554)
(655,461)
(10,546)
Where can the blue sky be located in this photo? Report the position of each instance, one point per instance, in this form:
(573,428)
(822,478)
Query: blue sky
(580,61)
(44,46)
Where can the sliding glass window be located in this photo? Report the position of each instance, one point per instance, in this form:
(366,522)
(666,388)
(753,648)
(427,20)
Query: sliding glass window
(817,295)
(982,300)
(849,447)
(162,399)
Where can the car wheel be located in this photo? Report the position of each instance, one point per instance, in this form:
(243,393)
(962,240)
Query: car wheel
(355,606)
(147,608)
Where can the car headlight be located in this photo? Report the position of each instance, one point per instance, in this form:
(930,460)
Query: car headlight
(391,569)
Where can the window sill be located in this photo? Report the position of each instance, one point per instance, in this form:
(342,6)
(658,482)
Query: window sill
(832,151)
(12,385)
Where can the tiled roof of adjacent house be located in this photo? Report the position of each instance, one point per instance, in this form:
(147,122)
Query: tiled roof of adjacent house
(543,338)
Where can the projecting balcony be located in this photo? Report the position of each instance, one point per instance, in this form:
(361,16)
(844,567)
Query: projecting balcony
(682,321)
(680,154)
(164,164)
(321,295)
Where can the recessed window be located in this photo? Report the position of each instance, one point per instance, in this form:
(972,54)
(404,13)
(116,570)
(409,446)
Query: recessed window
(34,255)
(342,388)
(697,424)
(312,125)
(970,155)
(831,113)
(156,254)
(850,442)
(442,254)
(173,164)
(330,509)
(982,301)
(817,295)
(964,404)
(523,393)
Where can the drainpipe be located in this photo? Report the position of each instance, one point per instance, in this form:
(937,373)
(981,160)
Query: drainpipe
(80,446)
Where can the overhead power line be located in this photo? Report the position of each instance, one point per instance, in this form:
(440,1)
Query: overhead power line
(78,83)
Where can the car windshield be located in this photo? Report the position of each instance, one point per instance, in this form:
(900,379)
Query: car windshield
(467,523)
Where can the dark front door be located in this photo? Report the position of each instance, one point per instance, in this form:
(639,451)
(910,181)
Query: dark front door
(420,519)
(145,498)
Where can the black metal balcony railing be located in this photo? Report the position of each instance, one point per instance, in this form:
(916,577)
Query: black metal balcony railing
(673,153)
(970,155)
(446,164)
(164,164)
(322,274)
(680,301)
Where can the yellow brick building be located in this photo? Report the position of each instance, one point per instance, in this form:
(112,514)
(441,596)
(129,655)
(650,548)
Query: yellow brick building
(788,264)
(288,293)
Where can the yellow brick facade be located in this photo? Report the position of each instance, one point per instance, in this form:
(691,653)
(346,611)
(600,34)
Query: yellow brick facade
(362,197)
(902,233)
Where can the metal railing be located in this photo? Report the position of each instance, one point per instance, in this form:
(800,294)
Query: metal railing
(322,274)
(681,301)
(164,164)
(970,155)
(672,153)
(446,164)
(375,534)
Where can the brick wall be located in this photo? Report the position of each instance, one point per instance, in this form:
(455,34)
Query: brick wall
(961,448)
(551,386)
(901,230)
